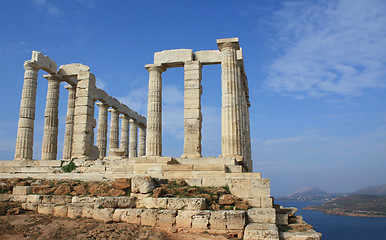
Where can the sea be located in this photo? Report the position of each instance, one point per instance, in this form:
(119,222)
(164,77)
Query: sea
(340,227)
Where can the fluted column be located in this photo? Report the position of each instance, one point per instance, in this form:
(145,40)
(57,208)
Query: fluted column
(50,136)
(154,111)
(25,130)
(192,109)
(230,145)
(102,129)
(133,139)
(125,134)
(142,141)
(114,129)
(69,130)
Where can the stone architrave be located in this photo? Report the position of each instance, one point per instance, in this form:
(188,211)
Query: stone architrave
(154,110)
(102,129)
(25,130)
(69,130)
(50,136)
(133,139)
(192,109)
(141,140)
(230,146)
(83,141)
(114,129)
(125,134)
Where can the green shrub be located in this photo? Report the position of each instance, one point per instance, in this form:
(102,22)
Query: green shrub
(69,167)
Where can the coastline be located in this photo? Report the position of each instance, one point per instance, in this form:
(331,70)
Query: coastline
(341,212)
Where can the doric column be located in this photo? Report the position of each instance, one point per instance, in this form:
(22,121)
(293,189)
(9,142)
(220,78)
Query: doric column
(133,139)
(142,141)
(84,121)
(25,130)
(50,136)
(239,112)
(102,129)
(114,129)
(69,130)
(230,142)
(154,111)
(192,109)
(125,134)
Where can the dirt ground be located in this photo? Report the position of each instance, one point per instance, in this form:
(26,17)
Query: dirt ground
(20,225)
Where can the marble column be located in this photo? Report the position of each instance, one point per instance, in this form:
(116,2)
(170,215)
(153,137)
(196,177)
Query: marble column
(84,121)
(154,110)
(25,130)
(50,136)
(133,139)
(102,129)
(114,129)
(69,130)
(125,134)
(192,109)
(230,109)
(142,141)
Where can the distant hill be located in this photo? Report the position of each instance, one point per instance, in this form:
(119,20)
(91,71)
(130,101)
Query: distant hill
(311,194)
(354,205)
(372,190)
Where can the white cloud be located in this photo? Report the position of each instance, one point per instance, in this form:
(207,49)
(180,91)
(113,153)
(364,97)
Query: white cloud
(48,7)
(100,83)
(329,47)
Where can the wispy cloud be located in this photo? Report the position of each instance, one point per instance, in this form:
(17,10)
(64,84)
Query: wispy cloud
(48,7)
(329,47)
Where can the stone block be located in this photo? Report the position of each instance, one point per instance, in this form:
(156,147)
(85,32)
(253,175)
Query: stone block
(281,219)
(173,58)
(184,218)
(207,57)
(149,217)
(209,167)
(192,84)
(261,231)
(261,215)
(74,212)
(200,220)
(166,218)
(306,235)
(44,62)
(72,69)
(105,214)
(46,208)
(19,198)
(117,214)
(235,220)
(88,212)
(142,184)
(194,182)
(156,203)
(186,203)
(30,206)
(132,216)
(106,202)
(56,199)
(217,220)
(77,199)
(60,211)
(22,190)
(126,202)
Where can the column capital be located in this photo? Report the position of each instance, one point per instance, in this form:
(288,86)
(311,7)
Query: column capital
(70,87)
(155,67)
(123,116)
(102,105)
(112,110)
(31,65)
(228,43)
(54,77)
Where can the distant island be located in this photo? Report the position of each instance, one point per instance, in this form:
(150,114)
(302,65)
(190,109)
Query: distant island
(354,205)
(365,202)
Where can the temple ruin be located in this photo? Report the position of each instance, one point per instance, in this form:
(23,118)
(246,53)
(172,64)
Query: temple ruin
(135,143)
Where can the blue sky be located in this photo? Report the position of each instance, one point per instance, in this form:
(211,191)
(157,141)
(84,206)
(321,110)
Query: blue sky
(316,72)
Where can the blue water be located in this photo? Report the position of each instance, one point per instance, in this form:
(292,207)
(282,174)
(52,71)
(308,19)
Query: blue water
(340,227)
